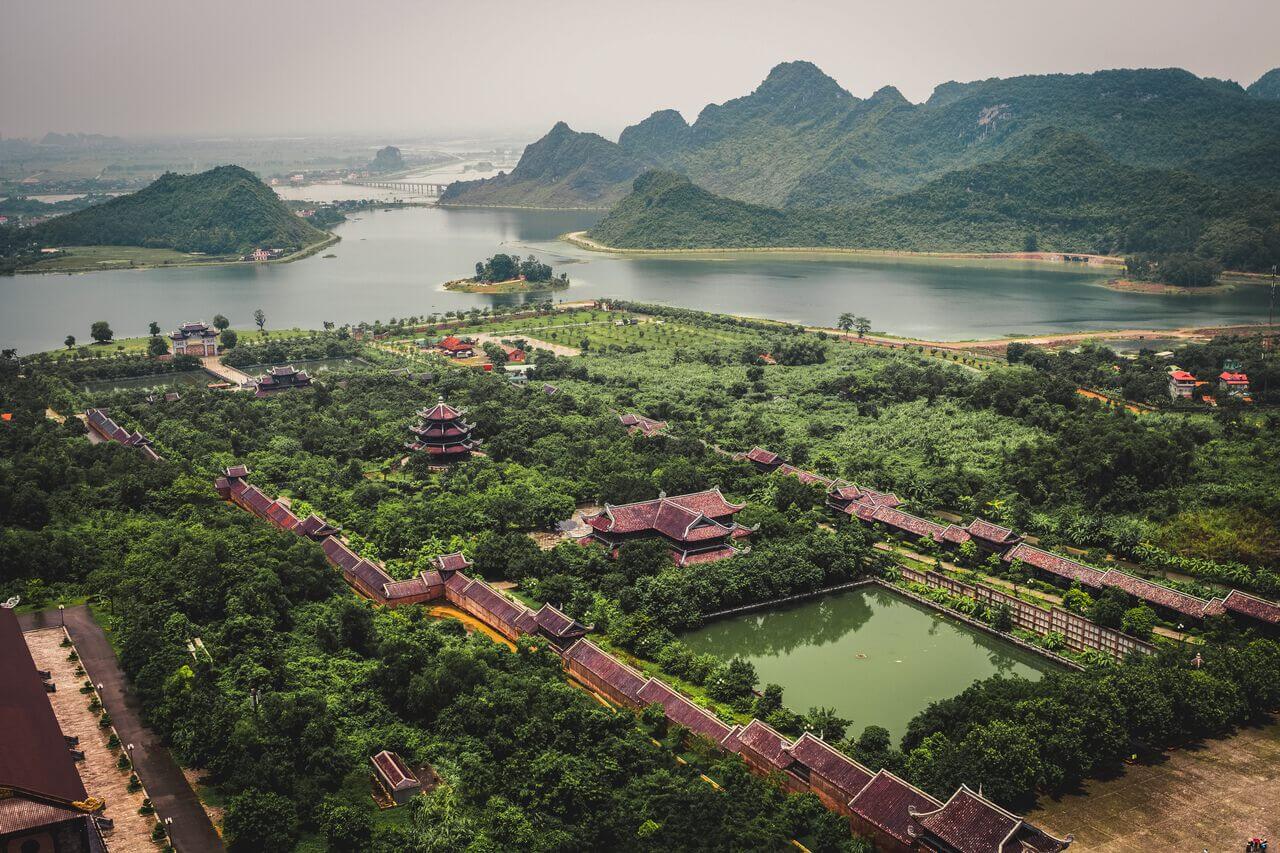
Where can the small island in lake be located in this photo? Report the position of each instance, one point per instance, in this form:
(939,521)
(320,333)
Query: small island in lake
(508,274)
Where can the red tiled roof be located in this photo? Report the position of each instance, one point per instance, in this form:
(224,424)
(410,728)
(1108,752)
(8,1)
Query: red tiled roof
(1234,378)
(607,668)
(989,532)
(806,477)
(970,823)
(441,411)
(237,471)
(315,527)
(820,757)
(454,562)
(886,801)
(1154,593)
(764,457)
(502,608)
(675,515)
(1054,564)
(681,710)
(370,575)
(767,743)
(339,554)
(557,624)
(257,502)
(907,522)
(405,589)
(452,344)
(394,771)
(710,555)
(954,534)
(458,583)
(1182,376)
(281,516)
(1250,605)
(34,754)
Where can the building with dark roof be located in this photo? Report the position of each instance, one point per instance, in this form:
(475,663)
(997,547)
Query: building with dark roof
(604,674)
(764,460)
(47,809)
(442,433)
(970,823)
(98,421)
(280,378)
(882,811)
(648,427)
(197,339)
(696,527)
(395,777)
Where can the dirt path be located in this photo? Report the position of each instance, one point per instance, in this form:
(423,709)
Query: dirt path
(189,829)
(1213,797)
(559,349)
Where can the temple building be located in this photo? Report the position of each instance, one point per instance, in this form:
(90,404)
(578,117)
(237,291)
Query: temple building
(970,823)
(764,460)
(198,339)
(456,348)
(442,434)
(697,527)
(648,427)
(395,777)
(283,378)
(102,425)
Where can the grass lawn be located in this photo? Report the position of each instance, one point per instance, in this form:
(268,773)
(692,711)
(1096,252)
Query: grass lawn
(88,258)
(134,346)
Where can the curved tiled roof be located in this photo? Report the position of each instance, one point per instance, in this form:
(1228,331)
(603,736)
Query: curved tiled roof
(1055,564)
(970,823)
(607,668)
(680,710)
(886,802)
(1250,605)
(673,516)
(820,757)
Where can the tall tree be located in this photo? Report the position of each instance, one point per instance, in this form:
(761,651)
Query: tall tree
(260,318)
(153,328)
(101,332)
(70,341)
(863,325)
(845,323)
(221,323)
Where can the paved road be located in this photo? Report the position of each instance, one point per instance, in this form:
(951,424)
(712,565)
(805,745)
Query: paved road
(191,831)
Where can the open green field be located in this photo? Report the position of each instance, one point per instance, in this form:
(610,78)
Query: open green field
(138,345)
(599,330)
(86,258)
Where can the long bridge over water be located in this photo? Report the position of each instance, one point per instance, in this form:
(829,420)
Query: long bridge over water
(414,187)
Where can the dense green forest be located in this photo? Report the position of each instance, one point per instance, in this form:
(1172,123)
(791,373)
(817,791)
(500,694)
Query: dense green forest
(225,210)
(530,762)
(1059,192)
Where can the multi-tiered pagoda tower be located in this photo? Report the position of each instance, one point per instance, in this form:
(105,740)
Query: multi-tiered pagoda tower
(442,433)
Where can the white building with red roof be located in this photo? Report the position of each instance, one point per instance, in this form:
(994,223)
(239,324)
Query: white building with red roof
(1233,383)
(1181,385)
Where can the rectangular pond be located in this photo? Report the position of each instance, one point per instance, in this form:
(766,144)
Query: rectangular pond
(159,381)
(877,658)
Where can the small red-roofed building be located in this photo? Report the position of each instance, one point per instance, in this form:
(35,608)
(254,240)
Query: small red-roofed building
(1054,568)
(970,823)
(1233,383)
(197,339)
(991,536)
(1182,385)
(696,527)
(515,355)
(833,776)
(604,674)
(442,433)
(768,752)
(280,378)
(680,710)
(1250,606)
(456,348)
(648,427)
(764,460)
(450,563)
(395,777)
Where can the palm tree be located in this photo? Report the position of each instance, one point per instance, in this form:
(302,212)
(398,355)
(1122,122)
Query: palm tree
(863,325)
(846,321)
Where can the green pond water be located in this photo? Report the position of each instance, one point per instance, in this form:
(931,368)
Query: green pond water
(877,658)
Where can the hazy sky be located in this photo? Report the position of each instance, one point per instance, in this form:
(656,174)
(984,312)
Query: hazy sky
(180,67)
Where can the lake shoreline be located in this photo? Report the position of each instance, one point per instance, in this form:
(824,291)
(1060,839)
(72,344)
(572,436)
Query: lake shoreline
(511,285)
(579,239)
(1155,288)
(304,252)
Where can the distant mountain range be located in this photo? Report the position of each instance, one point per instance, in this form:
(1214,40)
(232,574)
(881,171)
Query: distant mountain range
(1009,157)
(222,211)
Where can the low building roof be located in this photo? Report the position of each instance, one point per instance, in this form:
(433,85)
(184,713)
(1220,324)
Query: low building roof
(1055,564)
(394,771)
(886,803)
(607,668)
(768,743)
(1252,606)
(988,531)
(764,457)
(970,823)
(676,517)
(1154,593)
(1181,376)
(680,710)
(820,757)
(33,752)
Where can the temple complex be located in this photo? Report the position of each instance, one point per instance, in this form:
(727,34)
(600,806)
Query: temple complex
(106,428)
(697,527)
(282,378)
(442,434)
(198,339)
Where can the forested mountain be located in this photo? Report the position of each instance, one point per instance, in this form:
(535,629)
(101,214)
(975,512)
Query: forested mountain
(1057,190)
(800,140)
(1267,86)
(224,210)
(563,169)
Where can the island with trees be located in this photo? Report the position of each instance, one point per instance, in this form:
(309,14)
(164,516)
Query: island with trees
(509,274)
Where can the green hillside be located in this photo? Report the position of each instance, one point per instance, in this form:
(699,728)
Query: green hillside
(1058,187)
(563,169)
(800,140)
(226,210)
(1267,86)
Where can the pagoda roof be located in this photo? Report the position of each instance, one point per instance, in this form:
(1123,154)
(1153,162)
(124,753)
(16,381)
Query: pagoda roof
(970,823)
(281,516)
(989,532)
(233,472)
(455,562)
(886,802)
(680,710)
(841,770)
(1055,564)
(458,583)
(315,527)
(625,679)
(405,589)
(955,534)
(441,411)
(370,574)
(1252,606)
(709,555)
(255,500)
(682,517)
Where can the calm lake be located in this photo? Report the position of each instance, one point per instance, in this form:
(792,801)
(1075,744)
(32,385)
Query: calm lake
(392,263)
(877,658)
